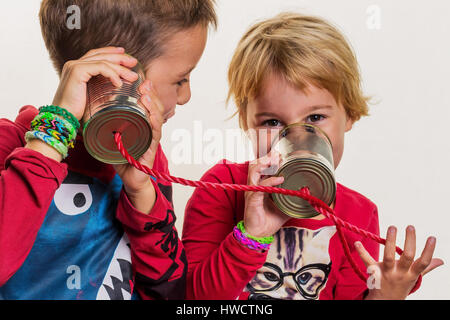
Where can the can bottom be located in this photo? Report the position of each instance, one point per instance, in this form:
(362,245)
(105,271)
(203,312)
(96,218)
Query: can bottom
(305,172)
(99,132)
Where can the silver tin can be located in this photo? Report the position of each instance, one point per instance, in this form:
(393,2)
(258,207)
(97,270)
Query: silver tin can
(306,161)
(110,109)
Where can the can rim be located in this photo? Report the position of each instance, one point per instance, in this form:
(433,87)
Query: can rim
(300,124)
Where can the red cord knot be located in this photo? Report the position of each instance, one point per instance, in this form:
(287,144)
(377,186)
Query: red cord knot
(305,190)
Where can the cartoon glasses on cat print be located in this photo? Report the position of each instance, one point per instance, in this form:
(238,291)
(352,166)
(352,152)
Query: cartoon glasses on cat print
(308,281)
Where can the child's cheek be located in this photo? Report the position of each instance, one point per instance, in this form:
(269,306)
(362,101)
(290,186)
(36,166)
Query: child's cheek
(170,104)
(338,149)
(168,98)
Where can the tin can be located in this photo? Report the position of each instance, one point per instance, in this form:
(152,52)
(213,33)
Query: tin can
(306,161)
(111,109)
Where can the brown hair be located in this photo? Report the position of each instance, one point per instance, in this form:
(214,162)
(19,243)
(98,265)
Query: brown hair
(139,26)
(302,49)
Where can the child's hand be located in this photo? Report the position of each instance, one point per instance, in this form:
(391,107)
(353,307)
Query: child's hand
(261,217)
(398,277)
(137,184)
(110,62)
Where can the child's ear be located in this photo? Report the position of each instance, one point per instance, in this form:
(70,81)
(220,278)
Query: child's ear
(349,124)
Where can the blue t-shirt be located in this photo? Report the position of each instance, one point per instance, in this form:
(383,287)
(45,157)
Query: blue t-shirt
(81,250)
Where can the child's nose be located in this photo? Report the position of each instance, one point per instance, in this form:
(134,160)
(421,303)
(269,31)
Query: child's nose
(184,94)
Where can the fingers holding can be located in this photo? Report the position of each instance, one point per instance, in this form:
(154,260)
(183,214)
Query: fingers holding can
(153,105)
(116,57)
(263,167)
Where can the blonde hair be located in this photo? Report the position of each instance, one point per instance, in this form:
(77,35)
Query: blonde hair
(302,49)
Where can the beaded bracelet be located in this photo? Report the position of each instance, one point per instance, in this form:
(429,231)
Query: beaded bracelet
(63,113)
(249,243)
(59,146)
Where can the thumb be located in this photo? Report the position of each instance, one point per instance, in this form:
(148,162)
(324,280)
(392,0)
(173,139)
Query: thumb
(272,181)
(435,262)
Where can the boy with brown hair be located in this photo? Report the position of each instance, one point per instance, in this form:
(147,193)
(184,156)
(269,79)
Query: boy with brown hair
(76,228)
(287,70)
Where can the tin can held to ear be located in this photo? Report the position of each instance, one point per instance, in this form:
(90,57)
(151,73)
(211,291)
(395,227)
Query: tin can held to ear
(306,161)
(110,109)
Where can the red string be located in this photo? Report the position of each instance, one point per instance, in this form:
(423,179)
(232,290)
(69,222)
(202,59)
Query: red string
(304,193)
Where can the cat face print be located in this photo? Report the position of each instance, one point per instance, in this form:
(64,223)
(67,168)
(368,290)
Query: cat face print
(297,265)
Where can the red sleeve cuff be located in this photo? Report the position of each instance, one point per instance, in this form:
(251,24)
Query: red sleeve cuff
(44,166)
(139,221)
(244,254)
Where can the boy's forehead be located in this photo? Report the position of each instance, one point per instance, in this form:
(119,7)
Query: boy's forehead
(185,46)
(184,49)
(184,41)
(276,92)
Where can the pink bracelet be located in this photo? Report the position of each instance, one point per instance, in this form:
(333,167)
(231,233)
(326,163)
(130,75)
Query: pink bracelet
(249,243)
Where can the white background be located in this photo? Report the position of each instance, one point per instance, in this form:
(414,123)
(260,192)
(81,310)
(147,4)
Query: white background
(399,157)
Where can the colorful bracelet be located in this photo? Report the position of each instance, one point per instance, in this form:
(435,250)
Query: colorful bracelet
(44,127)
(57,145)
(54,126)
(49,120)
(266,240)
(58,136)
(249,243)
(63,113)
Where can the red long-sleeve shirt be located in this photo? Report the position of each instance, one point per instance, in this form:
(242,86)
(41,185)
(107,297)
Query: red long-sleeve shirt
(28,184)
(305,261)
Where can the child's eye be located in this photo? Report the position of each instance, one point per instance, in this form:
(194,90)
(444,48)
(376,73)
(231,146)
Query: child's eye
(315,118)
(181,82)
(272,123)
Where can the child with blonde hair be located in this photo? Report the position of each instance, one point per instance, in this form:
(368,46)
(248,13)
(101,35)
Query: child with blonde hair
(290,69)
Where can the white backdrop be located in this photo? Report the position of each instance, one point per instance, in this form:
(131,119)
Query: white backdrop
(399,157)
